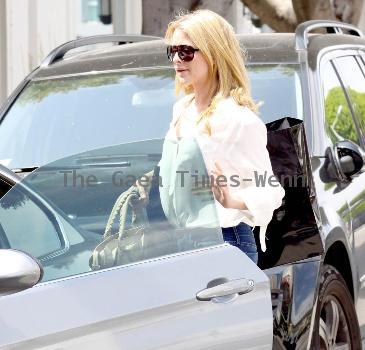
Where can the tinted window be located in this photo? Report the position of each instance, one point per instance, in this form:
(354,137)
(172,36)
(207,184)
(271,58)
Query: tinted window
(83,191)
(339,122)
(27,226)
(56,118)
(277,90)
(354,81)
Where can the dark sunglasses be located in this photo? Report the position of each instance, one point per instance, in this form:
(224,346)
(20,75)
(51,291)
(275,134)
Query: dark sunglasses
(185,52)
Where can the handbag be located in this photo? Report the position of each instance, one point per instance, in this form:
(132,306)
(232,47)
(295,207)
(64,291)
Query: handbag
(124,246)
(139,241)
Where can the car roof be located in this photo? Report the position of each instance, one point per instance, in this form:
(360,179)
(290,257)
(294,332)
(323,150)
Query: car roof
(319,42)
(260,48)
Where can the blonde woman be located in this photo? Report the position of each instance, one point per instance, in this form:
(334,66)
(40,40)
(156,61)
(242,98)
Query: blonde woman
(217,111)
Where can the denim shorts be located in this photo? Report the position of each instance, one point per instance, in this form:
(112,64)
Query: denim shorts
(242,236)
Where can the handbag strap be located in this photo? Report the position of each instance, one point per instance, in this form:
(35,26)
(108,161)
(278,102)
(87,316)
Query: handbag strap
(121,204)
(123,210)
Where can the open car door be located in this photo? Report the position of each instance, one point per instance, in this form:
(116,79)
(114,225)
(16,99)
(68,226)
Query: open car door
(185,289)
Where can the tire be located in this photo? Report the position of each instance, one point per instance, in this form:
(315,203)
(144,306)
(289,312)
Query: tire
(335,307)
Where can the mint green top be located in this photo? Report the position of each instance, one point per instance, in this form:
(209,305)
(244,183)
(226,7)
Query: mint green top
(187,201)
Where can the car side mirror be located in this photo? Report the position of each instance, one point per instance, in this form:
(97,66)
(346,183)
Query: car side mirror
(343,161)
(350,158)
(18,271)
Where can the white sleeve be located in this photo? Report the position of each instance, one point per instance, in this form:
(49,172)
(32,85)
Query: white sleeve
(176,108)
(263,194)
(245,154)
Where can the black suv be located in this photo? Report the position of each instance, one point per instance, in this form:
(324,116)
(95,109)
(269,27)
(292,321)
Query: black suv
(80,104)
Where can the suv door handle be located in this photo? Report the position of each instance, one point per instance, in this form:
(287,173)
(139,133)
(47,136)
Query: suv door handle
(227,288)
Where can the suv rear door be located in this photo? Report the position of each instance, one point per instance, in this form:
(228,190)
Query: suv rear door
(351,71)
(344,91)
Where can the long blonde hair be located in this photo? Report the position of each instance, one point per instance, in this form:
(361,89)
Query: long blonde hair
(216,40)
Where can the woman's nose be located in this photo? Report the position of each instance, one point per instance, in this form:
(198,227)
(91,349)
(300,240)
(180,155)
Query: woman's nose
(176,58)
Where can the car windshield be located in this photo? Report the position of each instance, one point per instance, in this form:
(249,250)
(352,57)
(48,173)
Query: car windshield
(58,117)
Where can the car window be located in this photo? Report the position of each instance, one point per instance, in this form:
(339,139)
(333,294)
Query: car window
(26,226)
(56,118)
(277,90)
(88,194)
(339,122)
(354,81)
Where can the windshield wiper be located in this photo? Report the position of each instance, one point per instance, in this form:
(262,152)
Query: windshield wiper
(23,172)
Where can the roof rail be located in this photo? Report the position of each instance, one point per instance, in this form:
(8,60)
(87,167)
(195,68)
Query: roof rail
(60,51)
(303,29)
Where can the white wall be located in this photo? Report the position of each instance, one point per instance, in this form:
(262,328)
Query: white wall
(18,44)
(30,29)
(127,16)
(90,27)
(51,23)
(3,63)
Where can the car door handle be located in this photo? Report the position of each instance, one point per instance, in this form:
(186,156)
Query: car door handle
(227,288)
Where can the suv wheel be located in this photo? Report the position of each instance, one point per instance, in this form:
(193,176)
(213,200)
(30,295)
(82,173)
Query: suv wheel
(336,325)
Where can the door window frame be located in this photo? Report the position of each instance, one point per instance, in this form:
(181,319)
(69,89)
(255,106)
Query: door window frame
(329,57)
(348,97)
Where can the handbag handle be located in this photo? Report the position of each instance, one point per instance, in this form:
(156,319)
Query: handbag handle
(134,194)
(120,205)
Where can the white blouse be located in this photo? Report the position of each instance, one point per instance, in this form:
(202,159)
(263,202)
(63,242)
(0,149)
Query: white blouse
(238,144)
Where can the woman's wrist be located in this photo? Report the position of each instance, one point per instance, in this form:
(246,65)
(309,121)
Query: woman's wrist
(238,204)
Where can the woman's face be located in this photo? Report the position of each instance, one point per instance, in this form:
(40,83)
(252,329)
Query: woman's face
(193,73)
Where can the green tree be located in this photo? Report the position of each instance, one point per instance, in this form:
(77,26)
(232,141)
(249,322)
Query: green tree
(339,122)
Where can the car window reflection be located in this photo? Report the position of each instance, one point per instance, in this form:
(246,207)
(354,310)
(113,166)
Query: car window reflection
(91,195)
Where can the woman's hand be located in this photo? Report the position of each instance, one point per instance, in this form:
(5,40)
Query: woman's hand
(143,186)
(143,199)
(221,191)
